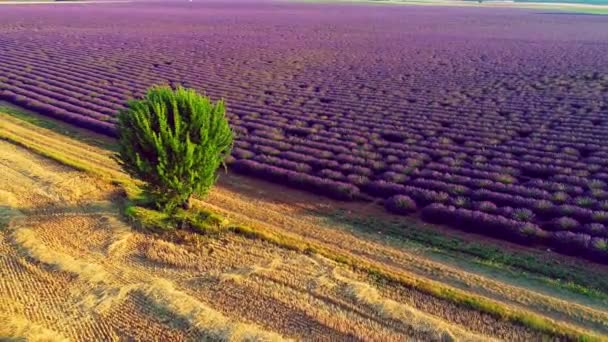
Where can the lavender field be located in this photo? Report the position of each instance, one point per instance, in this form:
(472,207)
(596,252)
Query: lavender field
(493,121)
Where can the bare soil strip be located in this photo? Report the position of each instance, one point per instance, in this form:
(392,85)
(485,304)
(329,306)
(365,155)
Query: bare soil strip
(72,269)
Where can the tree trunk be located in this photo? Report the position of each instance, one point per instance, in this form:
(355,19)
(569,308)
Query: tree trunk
(187,203)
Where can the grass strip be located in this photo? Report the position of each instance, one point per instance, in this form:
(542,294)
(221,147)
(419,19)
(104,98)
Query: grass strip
(114,177)
(60,127)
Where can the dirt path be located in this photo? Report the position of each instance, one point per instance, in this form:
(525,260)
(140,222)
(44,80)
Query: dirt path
(72,269)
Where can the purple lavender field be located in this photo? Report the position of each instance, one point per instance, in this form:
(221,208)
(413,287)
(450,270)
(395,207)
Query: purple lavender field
(490,120)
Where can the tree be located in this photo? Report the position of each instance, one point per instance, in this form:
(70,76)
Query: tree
(174,141)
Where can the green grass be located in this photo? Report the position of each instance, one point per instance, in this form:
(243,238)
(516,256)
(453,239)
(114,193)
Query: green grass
(200,221)
(572,275)
(59,127)
(140,215)
(585,10)
(51,155)
(125,181)
(148,219)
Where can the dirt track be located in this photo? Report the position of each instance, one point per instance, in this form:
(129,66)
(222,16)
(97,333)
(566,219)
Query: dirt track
(72,269)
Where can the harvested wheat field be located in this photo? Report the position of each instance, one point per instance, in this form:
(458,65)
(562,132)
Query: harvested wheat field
(73,269)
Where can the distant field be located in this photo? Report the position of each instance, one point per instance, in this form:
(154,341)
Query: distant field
(557,6)
(582,2)
(52,2)
(493,121)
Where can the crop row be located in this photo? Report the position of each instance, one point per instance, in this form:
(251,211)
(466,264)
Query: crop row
(503,137)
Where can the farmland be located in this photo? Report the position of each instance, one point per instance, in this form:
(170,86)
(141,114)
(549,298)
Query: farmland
(488,120)
(399,173)
(74,269)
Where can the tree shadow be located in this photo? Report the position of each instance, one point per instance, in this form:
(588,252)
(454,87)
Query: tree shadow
(6,215)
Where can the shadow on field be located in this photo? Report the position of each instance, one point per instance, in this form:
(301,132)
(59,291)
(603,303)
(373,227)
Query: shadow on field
(6,214)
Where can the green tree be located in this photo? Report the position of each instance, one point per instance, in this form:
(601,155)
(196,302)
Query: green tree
(174,141)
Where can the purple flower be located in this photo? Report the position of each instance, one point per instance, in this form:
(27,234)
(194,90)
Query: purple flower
(400,204)
(565,223)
